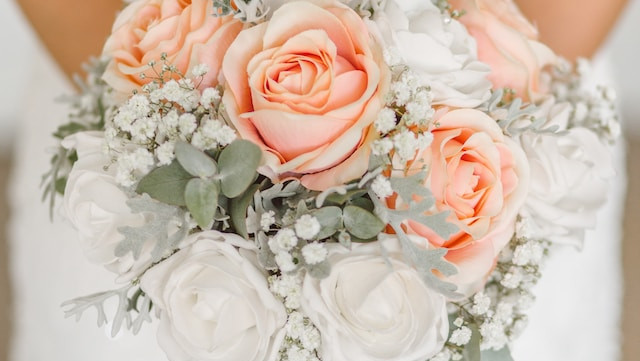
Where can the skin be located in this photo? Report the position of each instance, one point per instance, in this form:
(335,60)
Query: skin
(572,28)
(72,30)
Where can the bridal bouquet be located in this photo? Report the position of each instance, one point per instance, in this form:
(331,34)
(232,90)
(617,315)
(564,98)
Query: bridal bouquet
(329,180)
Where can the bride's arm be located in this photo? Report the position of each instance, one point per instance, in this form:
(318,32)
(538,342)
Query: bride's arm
(72,30)
(573,28)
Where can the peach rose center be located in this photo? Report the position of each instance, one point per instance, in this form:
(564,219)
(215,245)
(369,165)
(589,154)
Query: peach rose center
(305,75)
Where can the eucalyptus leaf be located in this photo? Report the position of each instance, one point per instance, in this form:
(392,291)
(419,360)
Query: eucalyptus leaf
(330,219)
(355,239)
(340,199)
(194,161)
(238,210)
(363,203)
(503,355)
(361,223)
(201,196)
(166,184)
(237,164)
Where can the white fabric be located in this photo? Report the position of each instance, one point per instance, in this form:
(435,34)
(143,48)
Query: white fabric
(575,317)
(46,260)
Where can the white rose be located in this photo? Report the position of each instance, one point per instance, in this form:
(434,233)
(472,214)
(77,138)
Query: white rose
(96,206)
(215,302)
(442,53)
(372,308)
(569,178)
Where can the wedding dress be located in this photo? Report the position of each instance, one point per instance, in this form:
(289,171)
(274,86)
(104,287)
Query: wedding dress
(575,317)
(47,264)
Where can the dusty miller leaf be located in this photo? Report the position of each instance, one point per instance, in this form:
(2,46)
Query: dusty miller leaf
(123,315)
(426,261)
(418,212)
(516,119)
(157,229)
(276,191)
(407,187)
(265,256)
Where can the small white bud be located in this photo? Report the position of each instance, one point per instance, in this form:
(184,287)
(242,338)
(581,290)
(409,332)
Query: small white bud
(307,227)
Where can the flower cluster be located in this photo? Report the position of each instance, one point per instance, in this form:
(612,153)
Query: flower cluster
(326,180)
(146,127)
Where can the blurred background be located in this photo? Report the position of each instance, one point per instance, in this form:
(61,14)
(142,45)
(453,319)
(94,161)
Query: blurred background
(623,45)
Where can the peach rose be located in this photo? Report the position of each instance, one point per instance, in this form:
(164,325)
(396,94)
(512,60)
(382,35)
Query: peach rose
(508,43)
(482,178)
(306,87)
(185,30)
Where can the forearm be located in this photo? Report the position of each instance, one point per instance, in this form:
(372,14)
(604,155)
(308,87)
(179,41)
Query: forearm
(72,30)
(573,28)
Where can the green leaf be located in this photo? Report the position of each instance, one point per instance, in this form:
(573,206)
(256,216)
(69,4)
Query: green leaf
(238,210)
(68,129)
(166,184)
(201,197)
(502,355)
(363,203)
(60,185)
(194,161)
(330,219)
(340,199)
(355,239)
(238,163)
(471,351)
(361,223)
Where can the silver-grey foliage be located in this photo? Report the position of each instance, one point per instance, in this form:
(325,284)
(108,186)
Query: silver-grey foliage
(123,316)
(165,227)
